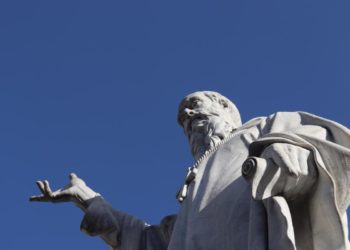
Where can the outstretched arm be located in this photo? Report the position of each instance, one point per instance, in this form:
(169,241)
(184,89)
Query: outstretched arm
(119,230)
(81,195)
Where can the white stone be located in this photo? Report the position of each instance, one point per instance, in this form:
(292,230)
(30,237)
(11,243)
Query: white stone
(294,196)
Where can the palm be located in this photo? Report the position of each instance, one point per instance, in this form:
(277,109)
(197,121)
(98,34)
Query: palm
(65,194)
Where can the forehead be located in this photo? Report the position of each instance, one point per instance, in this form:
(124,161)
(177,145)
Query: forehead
(194,98)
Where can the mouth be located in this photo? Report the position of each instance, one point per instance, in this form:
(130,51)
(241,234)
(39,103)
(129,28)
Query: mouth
(197,117)
(197,121)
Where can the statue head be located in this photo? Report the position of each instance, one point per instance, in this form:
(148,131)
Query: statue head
(207,117)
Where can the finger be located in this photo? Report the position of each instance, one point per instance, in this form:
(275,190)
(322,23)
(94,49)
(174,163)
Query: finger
(38,198)
(75,180)
(41,186)
(72,176)
(303,161)
(279,154)
(296,160)
(289,159)
(61,197)
(47,187)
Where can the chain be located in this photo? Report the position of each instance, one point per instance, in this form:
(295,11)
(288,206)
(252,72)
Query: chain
(193,170)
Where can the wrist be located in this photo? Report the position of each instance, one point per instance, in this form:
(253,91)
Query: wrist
(87,193)
(84,194)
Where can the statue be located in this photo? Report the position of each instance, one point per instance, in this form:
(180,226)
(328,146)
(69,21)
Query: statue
(276,182)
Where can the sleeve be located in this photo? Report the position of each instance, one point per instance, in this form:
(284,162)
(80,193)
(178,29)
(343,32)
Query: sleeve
(283,169)
(316,195)
(123,231)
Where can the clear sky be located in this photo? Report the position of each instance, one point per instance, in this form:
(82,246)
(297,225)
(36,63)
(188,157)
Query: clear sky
(92,87)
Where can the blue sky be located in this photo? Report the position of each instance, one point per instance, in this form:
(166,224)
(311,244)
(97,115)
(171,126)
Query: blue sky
(93,87)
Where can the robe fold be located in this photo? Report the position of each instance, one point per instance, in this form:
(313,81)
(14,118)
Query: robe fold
(219,211)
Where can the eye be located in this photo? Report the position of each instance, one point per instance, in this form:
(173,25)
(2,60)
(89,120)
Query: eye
(195,103)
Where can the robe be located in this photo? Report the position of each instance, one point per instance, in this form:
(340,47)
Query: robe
(219,211)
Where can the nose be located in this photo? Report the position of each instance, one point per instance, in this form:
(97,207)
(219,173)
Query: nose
(185,115)
(189,112)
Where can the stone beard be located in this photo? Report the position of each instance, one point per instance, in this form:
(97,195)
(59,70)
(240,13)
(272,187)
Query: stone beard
(295,198)
(207,118)
(207,133)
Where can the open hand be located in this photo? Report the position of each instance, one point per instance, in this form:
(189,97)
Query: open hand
(75,191)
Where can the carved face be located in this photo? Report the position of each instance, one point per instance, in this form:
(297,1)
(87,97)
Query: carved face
(196,110)
(205,119)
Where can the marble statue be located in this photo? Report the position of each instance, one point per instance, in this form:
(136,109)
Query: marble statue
(275,182)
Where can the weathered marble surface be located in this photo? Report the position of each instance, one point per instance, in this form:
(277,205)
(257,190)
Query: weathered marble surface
(295,197)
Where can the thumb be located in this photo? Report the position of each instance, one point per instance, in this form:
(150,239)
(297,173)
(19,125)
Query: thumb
(75,180)
(73,176)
